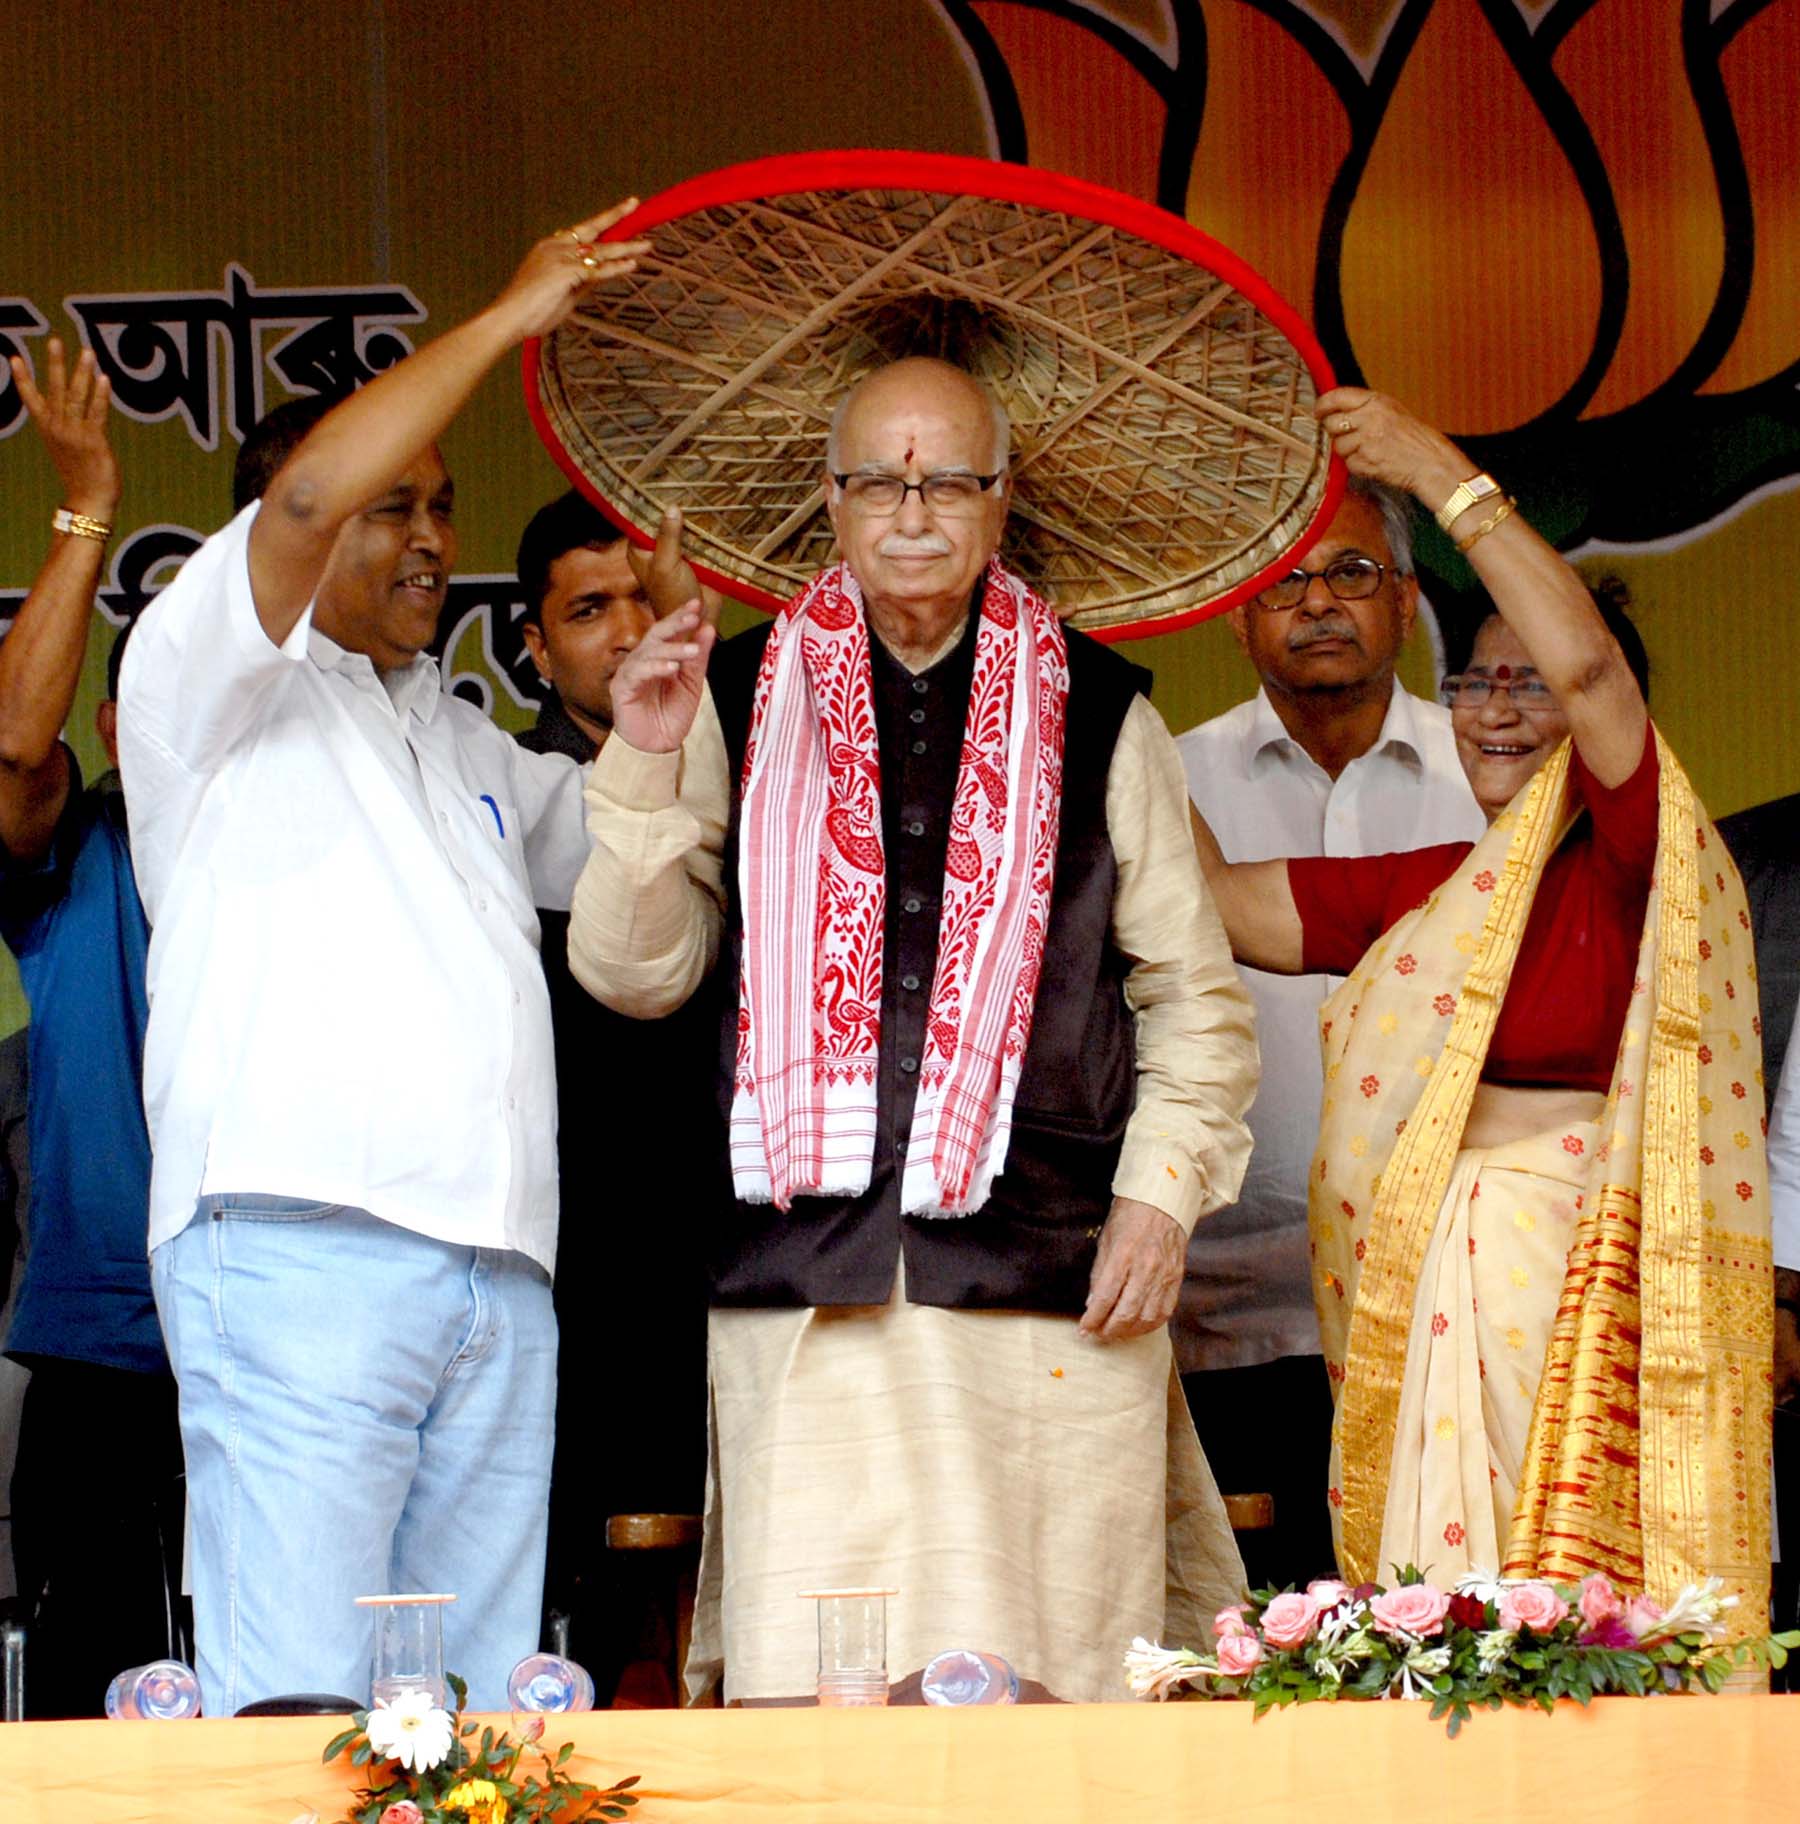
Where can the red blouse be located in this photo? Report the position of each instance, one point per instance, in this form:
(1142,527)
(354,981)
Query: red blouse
(1565,1005)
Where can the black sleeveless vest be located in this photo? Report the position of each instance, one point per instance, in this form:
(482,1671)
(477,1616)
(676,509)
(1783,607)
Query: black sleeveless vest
(1031,1246)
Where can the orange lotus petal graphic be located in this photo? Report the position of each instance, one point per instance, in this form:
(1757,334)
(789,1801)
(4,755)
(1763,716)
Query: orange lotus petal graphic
(1262,174)
(1087,111)
(1474,240)
(1759,67)
(1623,65)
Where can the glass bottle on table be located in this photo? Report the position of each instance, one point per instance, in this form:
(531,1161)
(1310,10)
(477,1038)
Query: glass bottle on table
(549,1683)
(164,1691)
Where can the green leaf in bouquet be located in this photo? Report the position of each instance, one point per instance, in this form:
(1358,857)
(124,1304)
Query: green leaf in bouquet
(458,1689)
(339,1743)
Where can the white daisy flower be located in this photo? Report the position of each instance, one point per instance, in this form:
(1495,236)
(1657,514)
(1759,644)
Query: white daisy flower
(411,1730)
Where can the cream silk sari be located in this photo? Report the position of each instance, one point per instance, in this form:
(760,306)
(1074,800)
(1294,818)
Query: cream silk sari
(1553,1356)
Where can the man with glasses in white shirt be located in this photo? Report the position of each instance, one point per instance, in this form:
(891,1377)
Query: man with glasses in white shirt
(348,1070)
(1331,757)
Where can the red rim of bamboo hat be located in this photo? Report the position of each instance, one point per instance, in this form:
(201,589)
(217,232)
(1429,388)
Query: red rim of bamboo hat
(1166,462)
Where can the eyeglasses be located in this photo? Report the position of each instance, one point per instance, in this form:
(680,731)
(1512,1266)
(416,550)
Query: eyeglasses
(1530,695)
(1350,579)
(949,495)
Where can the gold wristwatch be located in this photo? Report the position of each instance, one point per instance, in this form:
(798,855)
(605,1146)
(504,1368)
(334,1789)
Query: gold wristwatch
(1477,487)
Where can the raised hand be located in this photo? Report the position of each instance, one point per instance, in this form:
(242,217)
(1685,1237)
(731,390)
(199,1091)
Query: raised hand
(1378,437)
(656,692)
(70,415)
(667,577)
(564,269)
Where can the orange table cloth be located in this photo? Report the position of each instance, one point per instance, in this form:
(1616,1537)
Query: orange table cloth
(1622,1761)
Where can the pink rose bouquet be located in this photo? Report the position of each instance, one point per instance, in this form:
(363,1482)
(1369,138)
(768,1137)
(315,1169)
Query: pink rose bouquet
(1494,1641)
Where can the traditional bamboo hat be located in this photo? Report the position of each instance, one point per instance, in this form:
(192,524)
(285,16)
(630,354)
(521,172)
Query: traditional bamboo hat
(1166,463)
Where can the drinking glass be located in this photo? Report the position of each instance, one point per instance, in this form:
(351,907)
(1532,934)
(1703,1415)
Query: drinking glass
(852,1646)
(409,1646)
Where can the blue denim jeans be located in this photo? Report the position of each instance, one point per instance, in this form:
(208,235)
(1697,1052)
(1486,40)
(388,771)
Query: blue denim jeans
(363,1410)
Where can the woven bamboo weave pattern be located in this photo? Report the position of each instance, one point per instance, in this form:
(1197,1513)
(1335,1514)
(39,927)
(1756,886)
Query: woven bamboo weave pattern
(1163,444)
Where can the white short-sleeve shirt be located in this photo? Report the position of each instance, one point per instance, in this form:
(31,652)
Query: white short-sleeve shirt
(341,871)
(1247,1296)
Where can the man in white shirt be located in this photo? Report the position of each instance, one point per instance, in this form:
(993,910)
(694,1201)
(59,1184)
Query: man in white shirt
(1331,757)
(348,1068)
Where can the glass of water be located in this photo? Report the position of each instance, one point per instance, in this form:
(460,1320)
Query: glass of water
(852,1646)
(409,1646)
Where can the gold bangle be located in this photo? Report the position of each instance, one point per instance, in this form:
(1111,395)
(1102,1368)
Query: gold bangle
(1478,487)
(79,525)
(1487,525)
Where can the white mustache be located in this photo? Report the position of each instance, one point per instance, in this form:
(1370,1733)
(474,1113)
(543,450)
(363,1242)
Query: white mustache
(905,544)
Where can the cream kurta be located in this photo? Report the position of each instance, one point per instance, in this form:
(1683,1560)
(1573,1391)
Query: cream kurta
(1028,1490)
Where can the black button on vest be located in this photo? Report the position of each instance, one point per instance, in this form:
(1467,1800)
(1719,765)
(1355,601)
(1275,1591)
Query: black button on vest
(1031,1247)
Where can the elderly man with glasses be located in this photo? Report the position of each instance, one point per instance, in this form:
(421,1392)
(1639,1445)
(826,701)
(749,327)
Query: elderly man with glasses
(985,1062)
(1332,756)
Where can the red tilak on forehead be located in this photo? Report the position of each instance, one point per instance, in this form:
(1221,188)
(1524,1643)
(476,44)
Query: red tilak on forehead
(1503,671)
(909,453)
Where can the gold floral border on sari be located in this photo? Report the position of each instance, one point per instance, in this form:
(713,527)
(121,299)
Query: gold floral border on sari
(1649,1446)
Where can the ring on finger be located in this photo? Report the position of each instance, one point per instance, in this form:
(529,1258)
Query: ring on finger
(574,234)
(588,260)
(1343,425)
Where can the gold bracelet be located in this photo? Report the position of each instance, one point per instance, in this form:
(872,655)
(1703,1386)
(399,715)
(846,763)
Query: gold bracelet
(1487,525)
(79,525)
(1479,486)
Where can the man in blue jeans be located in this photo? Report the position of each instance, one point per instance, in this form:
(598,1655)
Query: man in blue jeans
(348,1069)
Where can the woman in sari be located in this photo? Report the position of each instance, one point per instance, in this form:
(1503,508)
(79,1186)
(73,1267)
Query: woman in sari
(1539,1209)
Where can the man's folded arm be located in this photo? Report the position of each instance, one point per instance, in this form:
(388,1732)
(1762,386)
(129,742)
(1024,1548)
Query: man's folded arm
(646,915)
(1186,1145)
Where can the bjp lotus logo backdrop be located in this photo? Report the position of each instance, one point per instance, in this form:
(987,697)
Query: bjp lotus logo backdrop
(1569,233)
